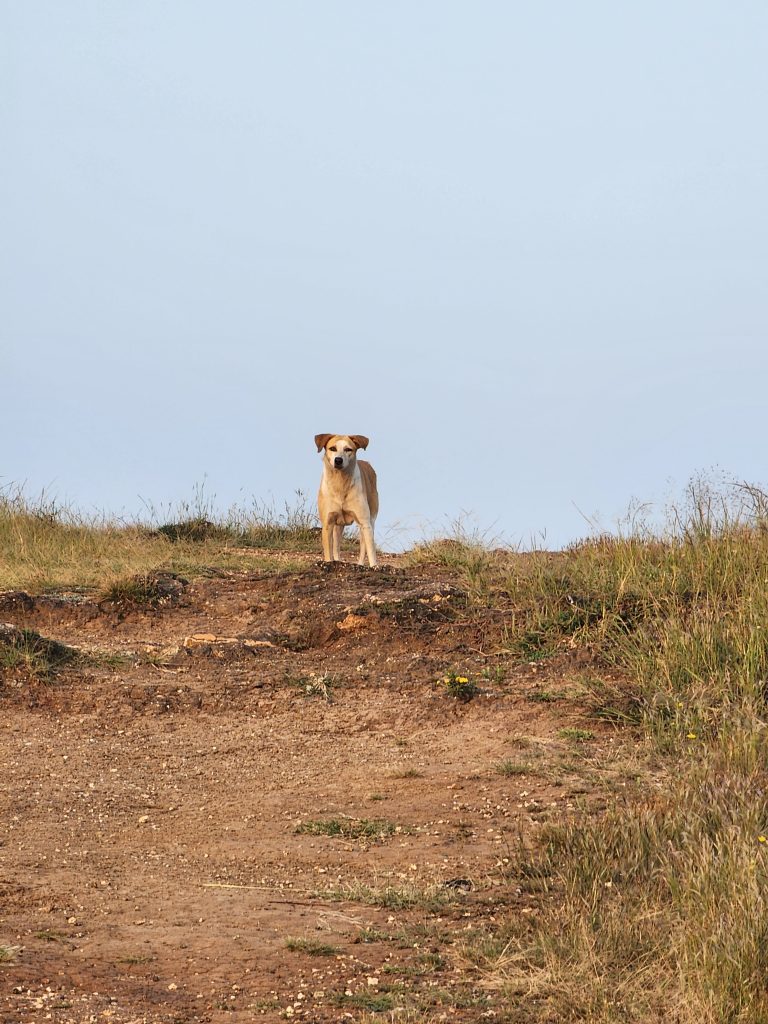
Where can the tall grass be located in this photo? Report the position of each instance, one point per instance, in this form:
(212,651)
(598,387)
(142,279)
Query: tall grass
(45,545)
(683,611)
(658,909)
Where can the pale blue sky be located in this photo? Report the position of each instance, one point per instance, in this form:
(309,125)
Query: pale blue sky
(523,247)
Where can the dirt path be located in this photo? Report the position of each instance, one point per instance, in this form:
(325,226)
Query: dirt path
(157,858)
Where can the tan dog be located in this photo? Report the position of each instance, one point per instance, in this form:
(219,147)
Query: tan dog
(347,494)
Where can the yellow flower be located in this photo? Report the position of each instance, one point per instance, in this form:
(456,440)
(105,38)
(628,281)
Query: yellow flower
(461,679)
(691,736)
(762,839)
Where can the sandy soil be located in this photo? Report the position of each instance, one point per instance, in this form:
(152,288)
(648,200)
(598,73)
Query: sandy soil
(153,866)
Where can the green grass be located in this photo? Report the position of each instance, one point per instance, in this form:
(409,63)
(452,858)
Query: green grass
(511,768)
(542,696)
(348,828)
(311,947)
(577,735)
(374,1002)
(370,935)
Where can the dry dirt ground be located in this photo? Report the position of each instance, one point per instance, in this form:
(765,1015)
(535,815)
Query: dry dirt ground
(157,858)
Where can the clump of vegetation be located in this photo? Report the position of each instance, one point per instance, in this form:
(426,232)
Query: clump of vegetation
(36,655)
(404,896)
(374,1002)
(542,696)
(577,735)
(510,768)
(196,529)
(146,590)
(348,828)
(311,947)
(313,685)
(459,687)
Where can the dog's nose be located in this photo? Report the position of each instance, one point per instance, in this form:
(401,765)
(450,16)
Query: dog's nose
(338,461)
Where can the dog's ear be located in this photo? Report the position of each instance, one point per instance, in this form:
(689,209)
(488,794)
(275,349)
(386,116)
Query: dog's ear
(321,440)
(359,439)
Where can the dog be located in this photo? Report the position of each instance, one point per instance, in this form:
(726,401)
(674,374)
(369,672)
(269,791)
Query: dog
(347,495)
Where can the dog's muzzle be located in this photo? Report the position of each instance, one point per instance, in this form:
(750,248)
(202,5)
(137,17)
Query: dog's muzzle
(338,462)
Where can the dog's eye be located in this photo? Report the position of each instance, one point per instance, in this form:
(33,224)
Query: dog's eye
(347,450)
(333,449)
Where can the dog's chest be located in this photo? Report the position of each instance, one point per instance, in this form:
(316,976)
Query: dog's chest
(341,499)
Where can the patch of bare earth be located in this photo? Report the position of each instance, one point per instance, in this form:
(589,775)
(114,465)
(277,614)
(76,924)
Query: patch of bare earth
(166,799)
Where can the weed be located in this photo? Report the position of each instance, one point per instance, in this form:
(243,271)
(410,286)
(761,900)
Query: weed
(29,651)
(8,954)
(510,768)
(348,828)
(311,947)
(372,935)
(577,735)
(405,896)
(374,1002)
(613,702)
(496,675)
(544,696)
(146,590)
(459,687)
(314,686)
(47,935)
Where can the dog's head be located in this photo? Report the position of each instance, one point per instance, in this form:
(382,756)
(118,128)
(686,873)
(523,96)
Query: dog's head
(340,450)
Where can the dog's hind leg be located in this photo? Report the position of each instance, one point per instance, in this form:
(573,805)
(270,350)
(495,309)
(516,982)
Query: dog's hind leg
(367,547)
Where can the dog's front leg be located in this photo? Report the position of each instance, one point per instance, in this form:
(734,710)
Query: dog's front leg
(327,528)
